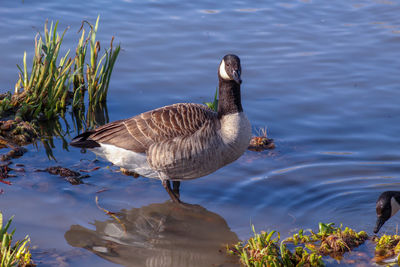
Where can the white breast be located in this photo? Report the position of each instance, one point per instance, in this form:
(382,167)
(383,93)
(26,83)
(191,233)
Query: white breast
(236,134)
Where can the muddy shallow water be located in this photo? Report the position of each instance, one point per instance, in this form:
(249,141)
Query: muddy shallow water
(322,77)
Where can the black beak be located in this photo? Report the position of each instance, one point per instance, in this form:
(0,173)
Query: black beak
(236,76)
(379,222)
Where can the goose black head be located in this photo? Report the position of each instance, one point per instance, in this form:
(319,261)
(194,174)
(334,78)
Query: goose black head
(386,206)
(229,69)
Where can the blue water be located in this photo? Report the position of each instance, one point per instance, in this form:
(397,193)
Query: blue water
(323,77)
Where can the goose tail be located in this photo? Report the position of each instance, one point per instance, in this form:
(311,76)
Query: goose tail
(83,140)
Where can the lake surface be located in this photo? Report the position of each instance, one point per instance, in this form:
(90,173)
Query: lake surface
(323,77)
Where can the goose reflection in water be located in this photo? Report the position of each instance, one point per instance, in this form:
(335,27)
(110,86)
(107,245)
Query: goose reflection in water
(159,235)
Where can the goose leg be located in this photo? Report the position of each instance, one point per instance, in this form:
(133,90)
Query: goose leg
(167,186)
(175,188)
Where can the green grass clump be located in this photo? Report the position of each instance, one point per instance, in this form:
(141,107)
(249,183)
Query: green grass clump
(341,241)
(330,240)
(42,92)
(307,248)
(13,255)
(264,250)
(98,72)
(213,105)
(54,82)
(300,257)
(259,250)
(387,246)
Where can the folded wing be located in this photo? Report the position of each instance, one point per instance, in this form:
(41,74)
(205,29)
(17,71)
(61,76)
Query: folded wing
(140,132)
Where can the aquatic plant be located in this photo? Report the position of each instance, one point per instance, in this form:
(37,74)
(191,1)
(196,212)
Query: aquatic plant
(263,250)
(308,248)
(45,91)
(387,246)
(213,105)
(13,255)
(259,250)
(96,115)
(330,240)
(261,141)
(300,257)
(42,93)
(79,67)
(98,73)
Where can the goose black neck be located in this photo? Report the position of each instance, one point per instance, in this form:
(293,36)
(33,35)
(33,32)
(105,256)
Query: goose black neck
(229,101)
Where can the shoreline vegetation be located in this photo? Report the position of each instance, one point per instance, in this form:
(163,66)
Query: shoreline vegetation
(55,83)
(41,98)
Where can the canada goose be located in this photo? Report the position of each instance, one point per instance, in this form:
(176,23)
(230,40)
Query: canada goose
(181,141)
(387,205)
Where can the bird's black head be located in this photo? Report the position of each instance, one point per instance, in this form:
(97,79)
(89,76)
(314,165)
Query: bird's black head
(229,69)
(386,207)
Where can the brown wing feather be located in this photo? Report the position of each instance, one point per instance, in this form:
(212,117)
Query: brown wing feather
(140,132)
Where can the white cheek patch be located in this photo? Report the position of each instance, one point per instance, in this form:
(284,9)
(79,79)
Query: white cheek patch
(395,206)
(222,71)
